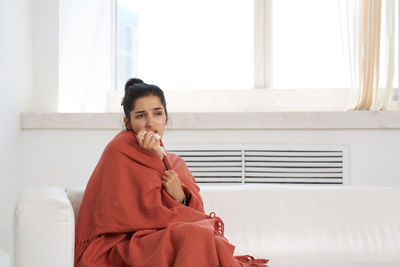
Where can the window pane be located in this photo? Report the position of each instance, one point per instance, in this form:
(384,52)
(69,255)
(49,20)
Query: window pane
(307,48)
(384,49)
(127,44)
(181,44)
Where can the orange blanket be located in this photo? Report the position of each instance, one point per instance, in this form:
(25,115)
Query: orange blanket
(127,219)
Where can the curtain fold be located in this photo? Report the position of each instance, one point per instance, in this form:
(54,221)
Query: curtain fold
(368,44)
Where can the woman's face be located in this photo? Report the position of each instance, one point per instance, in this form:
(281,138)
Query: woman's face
(148,114)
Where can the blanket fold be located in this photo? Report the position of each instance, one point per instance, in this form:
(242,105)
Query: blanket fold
(127,218)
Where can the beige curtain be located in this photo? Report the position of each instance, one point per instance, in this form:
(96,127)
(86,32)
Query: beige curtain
(368,44)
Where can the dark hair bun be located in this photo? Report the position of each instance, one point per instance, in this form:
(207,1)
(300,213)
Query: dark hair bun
(132,82)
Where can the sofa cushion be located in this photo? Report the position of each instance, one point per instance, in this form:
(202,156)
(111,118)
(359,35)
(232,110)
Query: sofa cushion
(75,195)
(299,224)
(309,224)
(44,228)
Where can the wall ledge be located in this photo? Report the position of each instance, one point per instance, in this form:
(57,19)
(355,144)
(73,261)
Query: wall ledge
(222,120)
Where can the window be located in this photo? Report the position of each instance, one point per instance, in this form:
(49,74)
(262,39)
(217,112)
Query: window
(307,46)
(127,49)
(183,45)
(209,44)
(218,50)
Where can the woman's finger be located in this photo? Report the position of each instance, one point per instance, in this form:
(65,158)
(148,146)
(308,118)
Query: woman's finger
(153,142)
(168,172)
(139,137)
(156,144)
(146,139)
(153,139)
(143,137)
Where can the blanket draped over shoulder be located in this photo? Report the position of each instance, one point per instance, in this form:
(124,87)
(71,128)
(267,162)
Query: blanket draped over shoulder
(127,218)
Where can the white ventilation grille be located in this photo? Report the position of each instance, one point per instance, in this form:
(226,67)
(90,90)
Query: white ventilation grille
(266,164)
(213,166)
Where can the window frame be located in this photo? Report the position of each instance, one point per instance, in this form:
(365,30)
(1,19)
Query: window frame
(262,44)
(262,75)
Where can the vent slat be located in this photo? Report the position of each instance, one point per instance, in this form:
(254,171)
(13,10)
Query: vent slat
(280,169)
(218,179)
(296,159)
(281,174)
(215,163)
(196,153)
(294,180)
(215,169)
(228,158)
(209,174)
(294,164)
(293,153)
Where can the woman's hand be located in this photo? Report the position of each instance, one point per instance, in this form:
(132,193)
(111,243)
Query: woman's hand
(173,186)
(149,143)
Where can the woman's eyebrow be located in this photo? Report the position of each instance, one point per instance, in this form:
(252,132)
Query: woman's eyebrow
(143,111)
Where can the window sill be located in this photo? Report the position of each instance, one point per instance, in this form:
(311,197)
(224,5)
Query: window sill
(222,120)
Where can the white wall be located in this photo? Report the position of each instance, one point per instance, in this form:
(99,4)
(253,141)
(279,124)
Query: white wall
(28,82)
(45,45)
(15,87)
(68,157)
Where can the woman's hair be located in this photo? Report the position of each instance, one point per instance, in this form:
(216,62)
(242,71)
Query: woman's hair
(136,88)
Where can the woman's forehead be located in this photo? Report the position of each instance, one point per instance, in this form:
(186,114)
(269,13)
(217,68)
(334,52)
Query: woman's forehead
(148,103)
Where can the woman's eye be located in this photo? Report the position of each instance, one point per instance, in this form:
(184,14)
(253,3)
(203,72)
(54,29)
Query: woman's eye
(139,116)
(159,113)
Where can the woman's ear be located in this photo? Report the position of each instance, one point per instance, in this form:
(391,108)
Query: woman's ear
(127,123)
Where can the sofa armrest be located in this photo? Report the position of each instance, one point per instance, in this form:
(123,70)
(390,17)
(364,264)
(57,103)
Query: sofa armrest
(44,228)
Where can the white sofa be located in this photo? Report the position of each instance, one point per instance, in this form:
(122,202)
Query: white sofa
(4,259)
(292,225)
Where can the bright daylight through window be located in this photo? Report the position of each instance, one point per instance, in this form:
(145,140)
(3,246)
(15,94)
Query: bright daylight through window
(306,45)
(181,44)
(212,45)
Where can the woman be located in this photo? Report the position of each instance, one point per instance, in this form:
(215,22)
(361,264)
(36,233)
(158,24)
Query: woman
(141,206)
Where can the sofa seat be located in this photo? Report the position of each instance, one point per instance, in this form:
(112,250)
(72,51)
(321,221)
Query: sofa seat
(292,225)
(4,259)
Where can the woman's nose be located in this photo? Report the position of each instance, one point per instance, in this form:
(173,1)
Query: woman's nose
(150,122)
